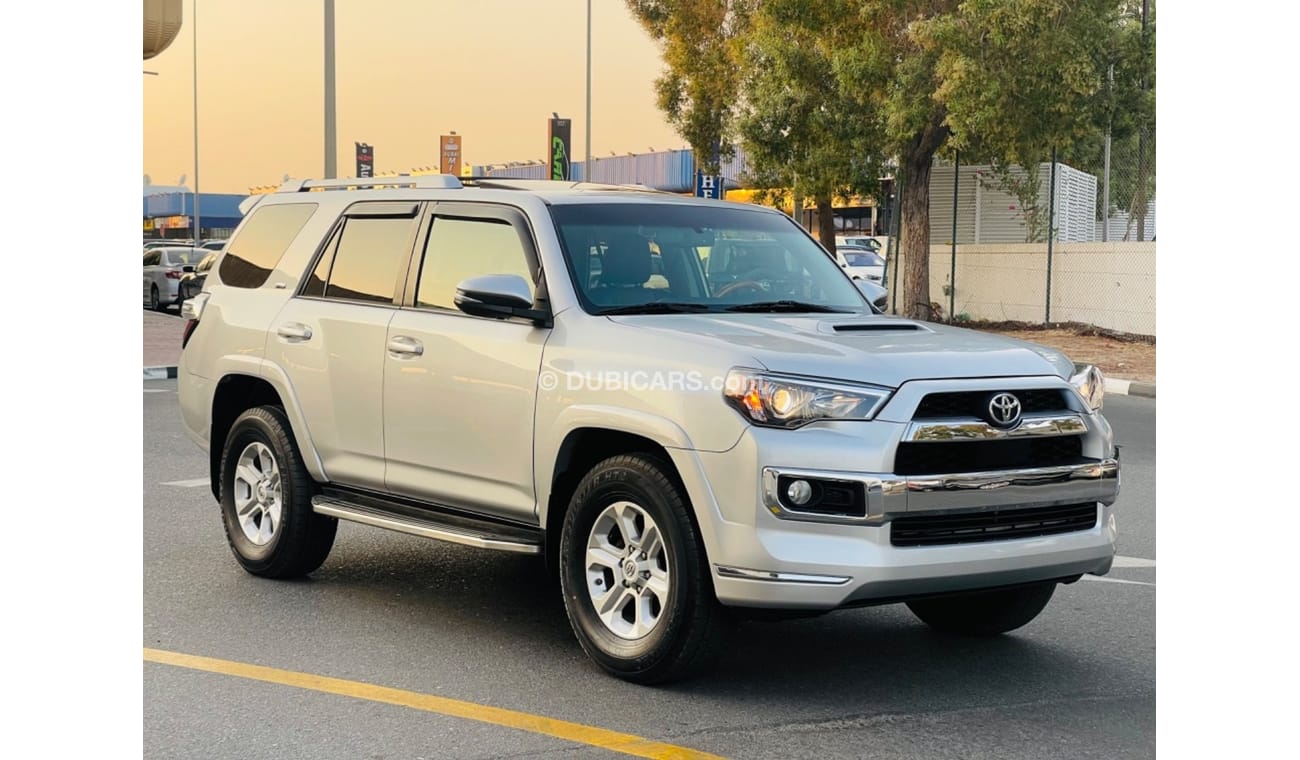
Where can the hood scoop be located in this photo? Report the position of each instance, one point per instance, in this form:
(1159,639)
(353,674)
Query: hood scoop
(875,327)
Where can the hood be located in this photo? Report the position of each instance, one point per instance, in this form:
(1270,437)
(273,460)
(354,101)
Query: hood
(876,349)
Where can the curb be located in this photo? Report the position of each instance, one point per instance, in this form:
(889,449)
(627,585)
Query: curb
(1130,388)
(169,373)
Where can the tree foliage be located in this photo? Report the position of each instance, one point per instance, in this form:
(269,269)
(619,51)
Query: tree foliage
(828,90)
(797,131)
(698,89)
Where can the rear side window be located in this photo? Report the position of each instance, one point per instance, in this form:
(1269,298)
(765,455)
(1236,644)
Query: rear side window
(364,262)
(151,259)
(253,253)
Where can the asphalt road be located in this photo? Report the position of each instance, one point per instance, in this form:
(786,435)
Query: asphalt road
(486,628)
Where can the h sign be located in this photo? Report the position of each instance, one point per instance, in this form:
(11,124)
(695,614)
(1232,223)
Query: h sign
(708,185)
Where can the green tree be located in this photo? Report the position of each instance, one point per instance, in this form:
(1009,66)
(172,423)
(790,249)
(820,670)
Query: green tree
(1006,79)
(797,131)
(698,90)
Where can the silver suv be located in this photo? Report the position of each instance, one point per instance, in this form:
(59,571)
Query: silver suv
(684,407)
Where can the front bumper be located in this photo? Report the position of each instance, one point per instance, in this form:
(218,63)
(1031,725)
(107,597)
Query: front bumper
(763,555)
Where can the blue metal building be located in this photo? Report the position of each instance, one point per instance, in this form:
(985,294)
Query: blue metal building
(170,213)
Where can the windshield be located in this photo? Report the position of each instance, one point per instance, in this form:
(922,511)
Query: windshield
(664,257)
(862,259)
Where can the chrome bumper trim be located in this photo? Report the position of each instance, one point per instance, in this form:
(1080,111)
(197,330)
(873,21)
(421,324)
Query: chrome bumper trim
(768,575)
(959,430)
(890,495)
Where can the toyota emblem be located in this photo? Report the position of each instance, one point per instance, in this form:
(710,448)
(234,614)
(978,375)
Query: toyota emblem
(1004,410)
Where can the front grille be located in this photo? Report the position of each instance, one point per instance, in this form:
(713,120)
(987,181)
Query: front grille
(995,525)
(976,403)
(979,456)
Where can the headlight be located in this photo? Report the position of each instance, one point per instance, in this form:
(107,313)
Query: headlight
(789,402)
(1090,384)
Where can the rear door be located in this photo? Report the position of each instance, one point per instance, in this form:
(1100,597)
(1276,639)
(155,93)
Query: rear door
(330,337)
(459,391)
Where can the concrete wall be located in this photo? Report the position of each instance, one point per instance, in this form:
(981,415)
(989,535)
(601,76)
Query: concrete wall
(1110,285)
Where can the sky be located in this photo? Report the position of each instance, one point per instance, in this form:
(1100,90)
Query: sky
(406,71)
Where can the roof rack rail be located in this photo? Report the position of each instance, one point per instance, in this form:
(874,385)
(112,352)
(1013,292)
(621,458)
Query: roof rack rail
(422,182)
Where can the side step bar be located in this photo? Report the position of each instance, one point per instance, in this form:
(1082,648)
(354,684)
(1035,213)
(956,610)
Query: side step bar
(431,525)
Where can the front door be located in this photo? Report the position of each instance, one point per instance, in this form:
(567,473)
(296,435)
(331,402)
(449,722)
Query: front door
(459,391)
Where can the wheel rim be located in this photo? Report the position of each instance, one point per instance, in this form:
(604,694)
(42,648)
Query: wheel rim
(627,570)
(258,495)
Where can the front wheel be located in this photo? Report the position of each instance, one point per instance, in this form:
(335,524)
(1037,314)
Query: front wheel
(634,575)
(266,499)
(985,613)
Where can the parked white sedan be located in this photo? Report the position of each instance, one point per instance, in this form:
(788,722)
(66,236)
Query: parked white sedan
(860,263)
(163,268)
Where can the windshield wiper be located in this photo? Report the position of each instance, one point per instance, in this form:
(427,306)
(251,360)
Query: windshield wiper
(657,307)
(791,306)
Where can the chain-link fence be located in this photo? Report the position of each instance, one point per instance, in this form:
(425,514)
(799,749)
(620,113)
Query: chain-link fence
(994,256)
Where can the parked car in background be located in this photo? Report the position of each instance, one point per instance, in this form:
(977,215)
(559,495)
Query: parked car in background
(191,283)
(213,245)
(163,268)
(860,263)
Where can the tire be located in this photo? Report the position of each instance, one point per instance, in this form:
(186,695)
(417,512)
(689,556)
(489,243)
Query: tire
(155,304)
(284,542)
(986,613)
(687,632)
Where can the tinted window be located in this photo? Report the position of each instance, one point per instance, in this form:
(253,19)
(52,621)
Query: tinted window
(151,259)
(179,258)
(703,257)
(370,252)
(862,258)
(254,252)
(462,248)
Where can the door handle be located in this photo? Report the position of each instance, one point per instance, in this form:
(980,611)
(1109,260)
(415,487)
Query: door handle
(294,331)
(401,346)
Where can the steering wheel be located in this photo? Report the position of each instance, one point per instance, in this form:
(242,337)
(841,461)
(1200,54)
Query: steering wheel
(758,280)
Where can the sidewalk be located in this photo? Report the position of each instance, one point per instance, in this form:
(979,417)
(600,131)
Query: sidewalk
(162,344)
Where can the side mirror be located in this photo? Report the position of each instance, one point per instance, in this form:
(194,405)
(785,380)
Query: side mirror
(876,295)
(500,296)
(187,268)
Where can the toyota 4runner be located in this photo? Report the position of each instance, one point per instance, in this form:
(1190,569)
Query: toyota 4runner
(684,407)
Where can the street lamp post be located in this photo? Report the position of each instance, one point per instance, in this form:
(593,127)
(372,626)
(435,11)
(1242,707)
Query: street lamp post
(587,168)
(331,134)
(197,219)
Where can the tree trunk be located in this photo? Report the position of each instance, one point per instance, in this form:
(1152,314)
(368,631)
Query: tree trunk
(826,223)
(915,207)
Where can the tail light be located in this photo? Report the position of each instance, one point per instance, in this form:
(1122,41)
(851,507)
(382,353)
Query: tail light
(191,312)
(173,274)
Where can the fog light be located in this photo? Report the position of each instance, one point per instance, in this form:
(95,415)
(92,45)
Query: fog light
(799,492)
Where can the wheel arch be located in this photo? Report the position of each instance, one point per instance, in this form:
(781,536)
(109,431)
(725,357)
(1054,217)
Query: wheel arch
(581,449)
(238,392)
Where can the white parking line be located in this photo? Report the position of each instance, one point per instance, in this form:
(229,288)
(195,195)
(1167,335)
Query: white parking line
(1133,562)
(195,483)
(1100,579)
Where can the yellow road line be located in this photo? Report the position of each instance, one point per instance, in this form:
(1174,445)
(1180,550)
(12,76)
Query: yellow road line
(537,724)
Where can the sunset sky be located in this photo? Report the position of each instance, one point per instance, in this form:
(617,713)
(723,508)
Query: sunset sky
(406,72)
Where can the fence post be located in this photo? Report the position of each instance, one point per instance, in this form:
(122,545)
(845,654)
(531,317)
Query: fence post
(1051,232)
(895,236)
(952,275)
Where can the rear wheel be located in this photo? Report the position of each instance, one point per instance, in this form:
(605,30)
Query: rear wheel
(154,302)
(266,499)
(634,575)
(985,613)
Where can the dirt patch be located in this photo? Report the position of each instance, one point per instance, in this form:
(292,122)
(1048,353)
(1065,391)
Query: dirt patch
(1118,355)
